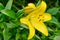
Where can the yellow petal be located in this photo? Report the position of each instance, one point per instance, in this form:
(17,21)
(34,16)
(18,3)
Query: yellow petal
(46,17)
(31,5)
(40,26)
(42,7)
(29,8)
(31,29)
(39,10)
(24,20)
(27,11)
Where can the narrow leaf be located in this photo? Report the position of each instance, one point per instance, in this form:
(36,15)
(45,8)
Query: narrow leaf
(19,13)
(5,32)
(9,4)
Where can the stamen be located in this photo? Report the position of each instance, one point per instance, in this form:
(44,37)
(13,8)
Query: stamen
(43,16)
(39,20)
(38,17)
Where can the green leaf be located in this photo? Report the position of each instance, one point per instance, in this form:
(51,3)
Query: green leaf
(53,10)
(24,26)
(17,35)
(57,38)
(9,4)
(39,1)
(51,30)
(2,17)
(19,13)
(5,32)
(57,32)
(1,7)
(15,22)
(10,25)
(57,3)
(55,21)
(9,13)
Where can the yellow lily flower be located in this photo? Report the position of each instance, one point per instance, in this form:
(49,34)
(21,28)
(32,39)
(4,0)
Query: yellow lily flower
(36,19)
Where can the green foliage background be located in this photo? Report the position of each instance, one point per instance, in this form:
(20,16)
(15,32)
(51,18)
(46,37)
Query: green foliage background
(12,29)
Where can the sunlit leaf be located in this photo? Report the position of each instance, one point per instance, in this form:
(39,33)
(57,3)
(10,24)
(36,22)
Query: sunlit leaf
(9,4)
(5,32)
(9,13)
(57,38)
(53,10)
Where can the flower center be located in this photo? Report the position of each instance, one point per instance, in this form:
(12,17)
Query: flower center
(41,18)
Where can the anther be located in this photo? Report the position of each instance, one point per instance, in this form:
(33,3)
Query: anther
(40,20)
(40,15)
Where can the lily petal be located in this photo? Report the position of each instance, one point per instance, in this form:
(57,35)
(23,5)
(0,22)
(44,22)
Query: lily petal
(31,29)
(29,8)
(39,26)
(46,17)
(42,7)
(30,5)
(24,20)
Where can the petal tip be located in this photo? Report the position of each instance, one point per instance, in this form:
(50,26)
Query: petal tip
(23,20)
(46,33)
